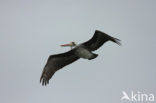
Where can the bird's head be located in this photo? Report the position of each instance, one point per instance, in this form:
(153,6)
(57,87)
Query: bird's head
(71,44)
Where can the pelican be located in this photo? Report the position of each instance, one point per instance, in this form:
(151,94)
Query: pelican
(83,50)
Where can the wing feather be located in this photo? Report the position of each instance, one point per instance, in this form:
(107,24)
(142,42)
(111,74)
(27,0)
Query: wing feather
(98,39)
(56,62)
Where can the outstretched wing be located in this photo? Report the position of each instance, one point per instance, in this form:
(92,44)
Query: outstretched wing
(98,39)
(56,62)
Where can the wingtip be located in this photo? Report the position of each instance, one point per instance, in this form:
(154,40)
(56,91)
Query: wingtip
(43,81)
(117,41)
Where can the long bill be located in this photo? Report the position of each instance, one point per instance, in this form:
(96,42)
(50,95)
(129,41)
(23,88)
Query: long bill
(65,45)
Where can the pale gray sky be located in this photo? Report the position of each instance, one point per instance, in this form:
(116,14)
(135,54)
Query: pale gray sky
(31,30)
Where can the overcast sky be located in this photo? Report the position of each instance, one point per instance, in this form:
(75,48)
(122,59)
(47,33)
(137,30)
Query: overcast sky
(31,30)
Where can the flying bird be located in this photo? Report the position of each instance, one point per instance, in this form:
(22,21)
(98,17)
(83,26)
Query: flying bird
(83,50)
